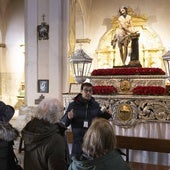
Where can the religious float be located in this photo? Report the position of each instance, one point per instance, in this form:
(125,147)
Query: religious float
(137,90)
(140,103)
(134,94)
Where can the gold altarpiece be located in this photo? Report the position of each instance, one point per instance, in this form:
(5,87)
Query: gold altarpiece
(150,46)
(133,115)
(137,108)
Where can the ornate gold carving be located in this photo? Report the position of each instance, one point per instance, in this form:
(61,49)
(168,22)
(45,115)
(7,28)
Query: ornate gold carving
(125,85)
(129,110)
(124,112)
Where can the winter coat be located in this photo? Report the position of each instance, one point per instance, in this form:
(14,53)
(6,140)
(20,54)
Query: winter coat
(44,145)
(7,135)
(110,161)
(83,110)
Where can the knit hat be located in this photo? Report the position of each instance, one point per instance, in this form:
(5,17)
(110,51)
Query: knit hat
(6,112)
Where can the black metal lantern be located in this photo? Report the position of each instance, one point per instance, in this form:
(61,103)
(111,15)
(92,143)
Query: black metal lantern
(166,59)
(81,64)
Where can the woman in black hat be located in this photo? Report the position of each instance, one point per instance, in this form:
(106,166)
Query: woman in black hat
(7,136)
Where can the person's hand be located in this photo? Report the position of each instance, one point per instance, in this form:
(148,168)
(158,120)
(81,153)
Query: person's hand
(109,111)
(70,114)
(106,109)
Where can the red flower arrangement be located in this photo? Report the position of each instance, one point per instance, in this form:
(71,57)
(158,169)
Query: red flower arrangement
(104,90)
(149,90)
(128,71)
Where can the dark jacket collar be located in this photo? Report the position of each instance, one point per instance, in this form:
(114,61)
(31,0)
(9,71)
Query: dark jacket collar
(80,99)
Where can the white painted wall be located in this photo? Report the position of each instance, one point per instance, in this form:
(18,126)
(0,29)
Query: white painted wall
(46,59)
(12,56)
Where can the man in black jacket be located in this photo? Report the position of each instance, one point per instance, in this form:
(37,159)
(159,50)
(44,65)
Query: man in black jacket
(80,114)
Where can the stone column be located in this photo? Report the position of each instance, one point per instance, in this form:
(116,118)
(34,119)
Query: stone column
(52,63)
(65,56)
(58,47)
(31,21)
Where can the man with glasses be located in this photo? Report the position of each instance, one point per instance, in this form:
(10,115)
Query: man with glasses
(80,113)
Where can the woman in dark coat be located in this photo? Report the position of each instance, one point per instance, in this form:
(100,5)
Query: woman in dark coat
(7,136)
(44,140)
(99,149)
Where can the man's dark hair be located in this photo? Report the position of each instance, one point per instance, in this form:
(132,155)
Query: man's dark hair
(86,84)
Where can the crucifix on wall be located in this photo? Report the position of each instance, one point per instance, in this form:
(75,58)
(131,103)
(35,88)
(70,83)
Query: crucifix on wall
(43,30)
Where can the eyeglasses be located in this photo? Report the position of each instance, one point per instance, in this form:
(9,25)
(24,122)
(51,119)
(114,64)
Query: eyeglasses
(88,90)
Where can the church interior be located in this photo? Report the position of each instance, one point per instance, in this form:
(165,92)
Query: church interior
(31,59)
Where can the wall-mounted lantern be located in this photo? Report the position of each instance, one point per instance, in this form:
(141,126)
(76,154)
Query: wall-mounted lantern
(166,59)
(80,63)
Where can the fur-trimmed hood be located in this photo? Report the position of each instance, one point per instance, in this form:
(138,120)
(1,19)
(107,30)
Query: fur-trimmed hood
(7,132)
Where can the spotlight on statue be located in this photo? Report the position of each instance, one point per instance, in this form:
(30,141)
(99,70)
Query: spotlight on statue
(80,63)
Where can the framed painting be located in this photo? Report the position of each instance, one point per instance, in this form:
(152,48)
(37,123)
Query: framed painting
(43,86)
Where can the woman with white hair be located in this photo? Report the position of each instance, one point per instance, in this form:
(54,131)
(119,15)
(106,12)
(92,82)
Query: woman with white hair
(44,138)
